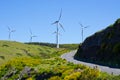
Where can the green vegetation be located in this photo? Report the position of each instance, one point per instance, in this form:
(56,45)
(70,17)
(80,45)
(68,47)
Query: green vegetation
(67,46)
(117,21)
(35,62)
(116,48)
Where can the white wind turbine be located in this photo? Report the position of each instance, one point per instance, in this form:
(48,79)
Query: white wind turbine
(82,30)
(10,31)
(58,24)
(31,35)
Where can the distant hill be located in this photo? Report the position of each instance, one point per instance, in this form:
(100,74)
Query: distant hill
(103,47)
(52,45)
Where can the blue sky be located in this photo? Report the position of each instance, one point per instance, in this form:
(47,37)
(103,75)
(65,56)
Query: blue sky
(38,15)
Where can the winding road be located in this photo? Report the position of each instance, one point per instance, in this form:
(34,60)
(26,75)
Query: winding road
(69,57)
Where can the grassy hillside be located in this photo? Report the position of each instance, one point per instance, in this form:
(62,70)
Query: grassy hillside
(103,47)
(35,62)
(9,50)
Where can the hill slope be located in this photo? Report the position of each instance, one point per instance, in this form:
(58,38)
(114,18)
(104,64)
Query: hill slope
(10,50)
(67,46)
(103,47)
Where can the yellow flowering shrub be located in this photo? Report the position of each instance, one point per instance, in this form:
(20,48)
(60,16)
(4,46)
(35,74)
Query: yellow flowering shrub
(67,72)
(29,78)
(90,74)
(73,76)
(55,78)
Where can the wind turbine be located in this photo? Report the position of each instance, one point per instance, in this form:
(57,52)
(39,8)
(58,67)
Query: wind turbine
(31,35)
(58,24)
(10,31)
(82,31)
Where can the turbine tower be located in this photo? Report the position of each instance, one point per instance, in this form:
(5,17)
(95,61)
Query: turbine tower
(82,30)
(58,24)
(56,34)
(10,31)
(31,35)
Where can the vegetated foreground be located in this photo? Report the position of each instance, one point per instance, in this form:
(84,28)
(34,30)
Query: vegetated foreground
(20,61)
(103,47)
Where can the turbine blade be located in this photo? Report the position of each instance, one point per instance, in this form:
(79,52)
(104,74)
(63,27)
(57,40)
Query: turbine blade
(34,36)
(8,28)
(86,27)
(81,25)
(54,32)
(30,39)
(55,22)
(30,31)
(61,26)
(60,15)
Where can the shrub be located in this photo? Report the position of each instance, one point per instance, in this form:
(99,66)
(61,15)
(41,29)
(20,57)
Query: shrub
(90,74)
(55,78)
(73,76)
(2,57)
(116,48)
(29,78)
(67,72)
(117,21)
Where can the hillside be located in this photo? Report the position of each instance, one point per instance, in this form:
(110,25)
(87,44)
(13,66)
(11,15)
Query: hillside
(20,61)
(103,47)
(10,49)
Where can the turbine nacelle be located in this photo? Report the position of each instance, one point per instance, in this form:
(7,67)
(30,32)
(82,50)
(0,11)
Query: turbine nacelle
(56,33)
(83,26)
(13,30)
(56,22)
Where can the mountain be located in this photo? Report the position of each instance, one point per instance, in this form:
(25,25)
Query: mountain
(103,47)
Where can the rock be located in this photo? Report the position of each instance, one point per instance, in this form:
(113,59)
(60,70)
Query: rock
(103,45)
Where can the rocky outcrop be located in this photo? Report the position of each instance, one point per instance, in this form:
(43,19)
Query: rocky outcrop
(109,35)
(103,45)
